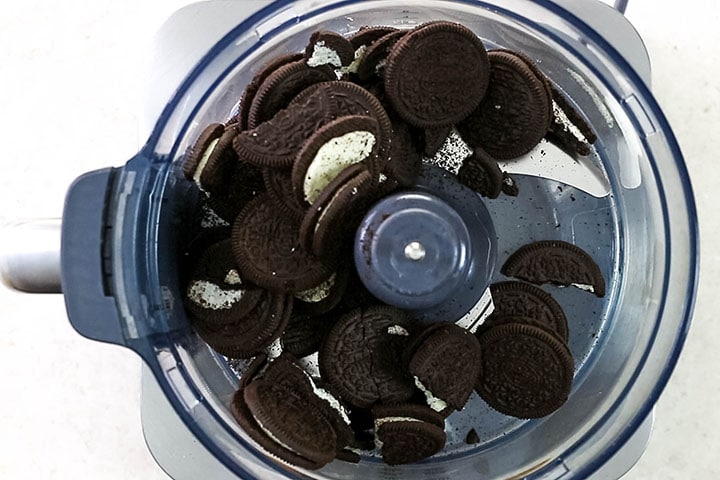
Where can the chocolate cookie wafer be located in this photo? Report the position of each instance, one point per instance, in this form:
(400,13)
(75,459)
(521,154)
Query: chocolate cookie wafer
(279,187)
(482,173)
(286,416)
(520,299)
(437,74)
(275,143)
(557,262)
(515,113)
(367,35)
(246,420)
(373,61)
(252,87)
(266,249)
(410,441)
(446,366)
(342,214)
(251,333)
(280,87)
(360,358)
(526,371)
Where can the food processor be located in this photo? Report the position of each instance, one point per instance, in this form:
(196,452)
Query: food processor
(630,204)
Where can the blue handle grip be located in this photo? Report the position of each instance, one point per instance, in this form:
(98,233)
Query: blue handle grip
(90,307)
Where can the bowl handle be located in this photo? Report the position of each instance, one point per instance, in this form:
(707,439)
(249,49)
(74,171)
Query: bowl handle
(90,305)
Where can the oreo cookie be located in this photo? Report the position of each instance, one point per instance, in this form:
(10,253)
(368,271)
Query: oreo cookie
(345,99)
(251,333)
(342,213)
(275,143)
(252,87)
(334,147)
(308,226)
(197,158)
(279,88)
(391,422)
(329,48)
(515,113)
(557,262)
(287,373)
(437,74)
(526,371)
(360,358)
(445,367)
(267,252)
(404,163)
(409,441)
(279,187)
(524,300)
(326,296)
(286,416)
(374,58)
(244,183)
(216,293)
(367,35)
(244,417)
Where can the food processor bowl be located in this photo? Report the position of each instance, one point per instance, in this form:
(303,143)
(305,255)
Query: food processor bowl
(629,204)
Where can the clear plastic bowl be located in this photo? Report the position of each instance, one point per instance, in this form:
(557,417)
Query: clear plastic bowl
(643,233)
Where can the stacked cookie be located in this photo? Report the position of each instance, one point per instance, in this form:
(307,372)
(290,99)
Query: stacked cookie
(317,139)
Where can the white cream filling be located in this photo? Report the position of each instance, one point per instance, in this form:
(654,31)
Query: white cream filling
(324,55)
(210,295)
(380,67)
(582,286)
(318,293)
(274,350)
(329,398)
(332,158)
(353,67)
(451,154)
(334,403)
(233,277)
(321,218)
(567,125)
(433,402)
(203,162)
(273,437)
(382,420)
(397,330)
(478,313)
(309,363)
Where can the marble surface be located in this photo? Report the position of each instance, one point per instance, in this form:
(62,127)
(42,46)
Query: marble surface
(70,90)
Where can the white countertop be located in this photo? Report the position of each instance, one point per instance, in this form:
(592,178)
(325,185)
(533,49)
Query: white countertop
(69,96)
